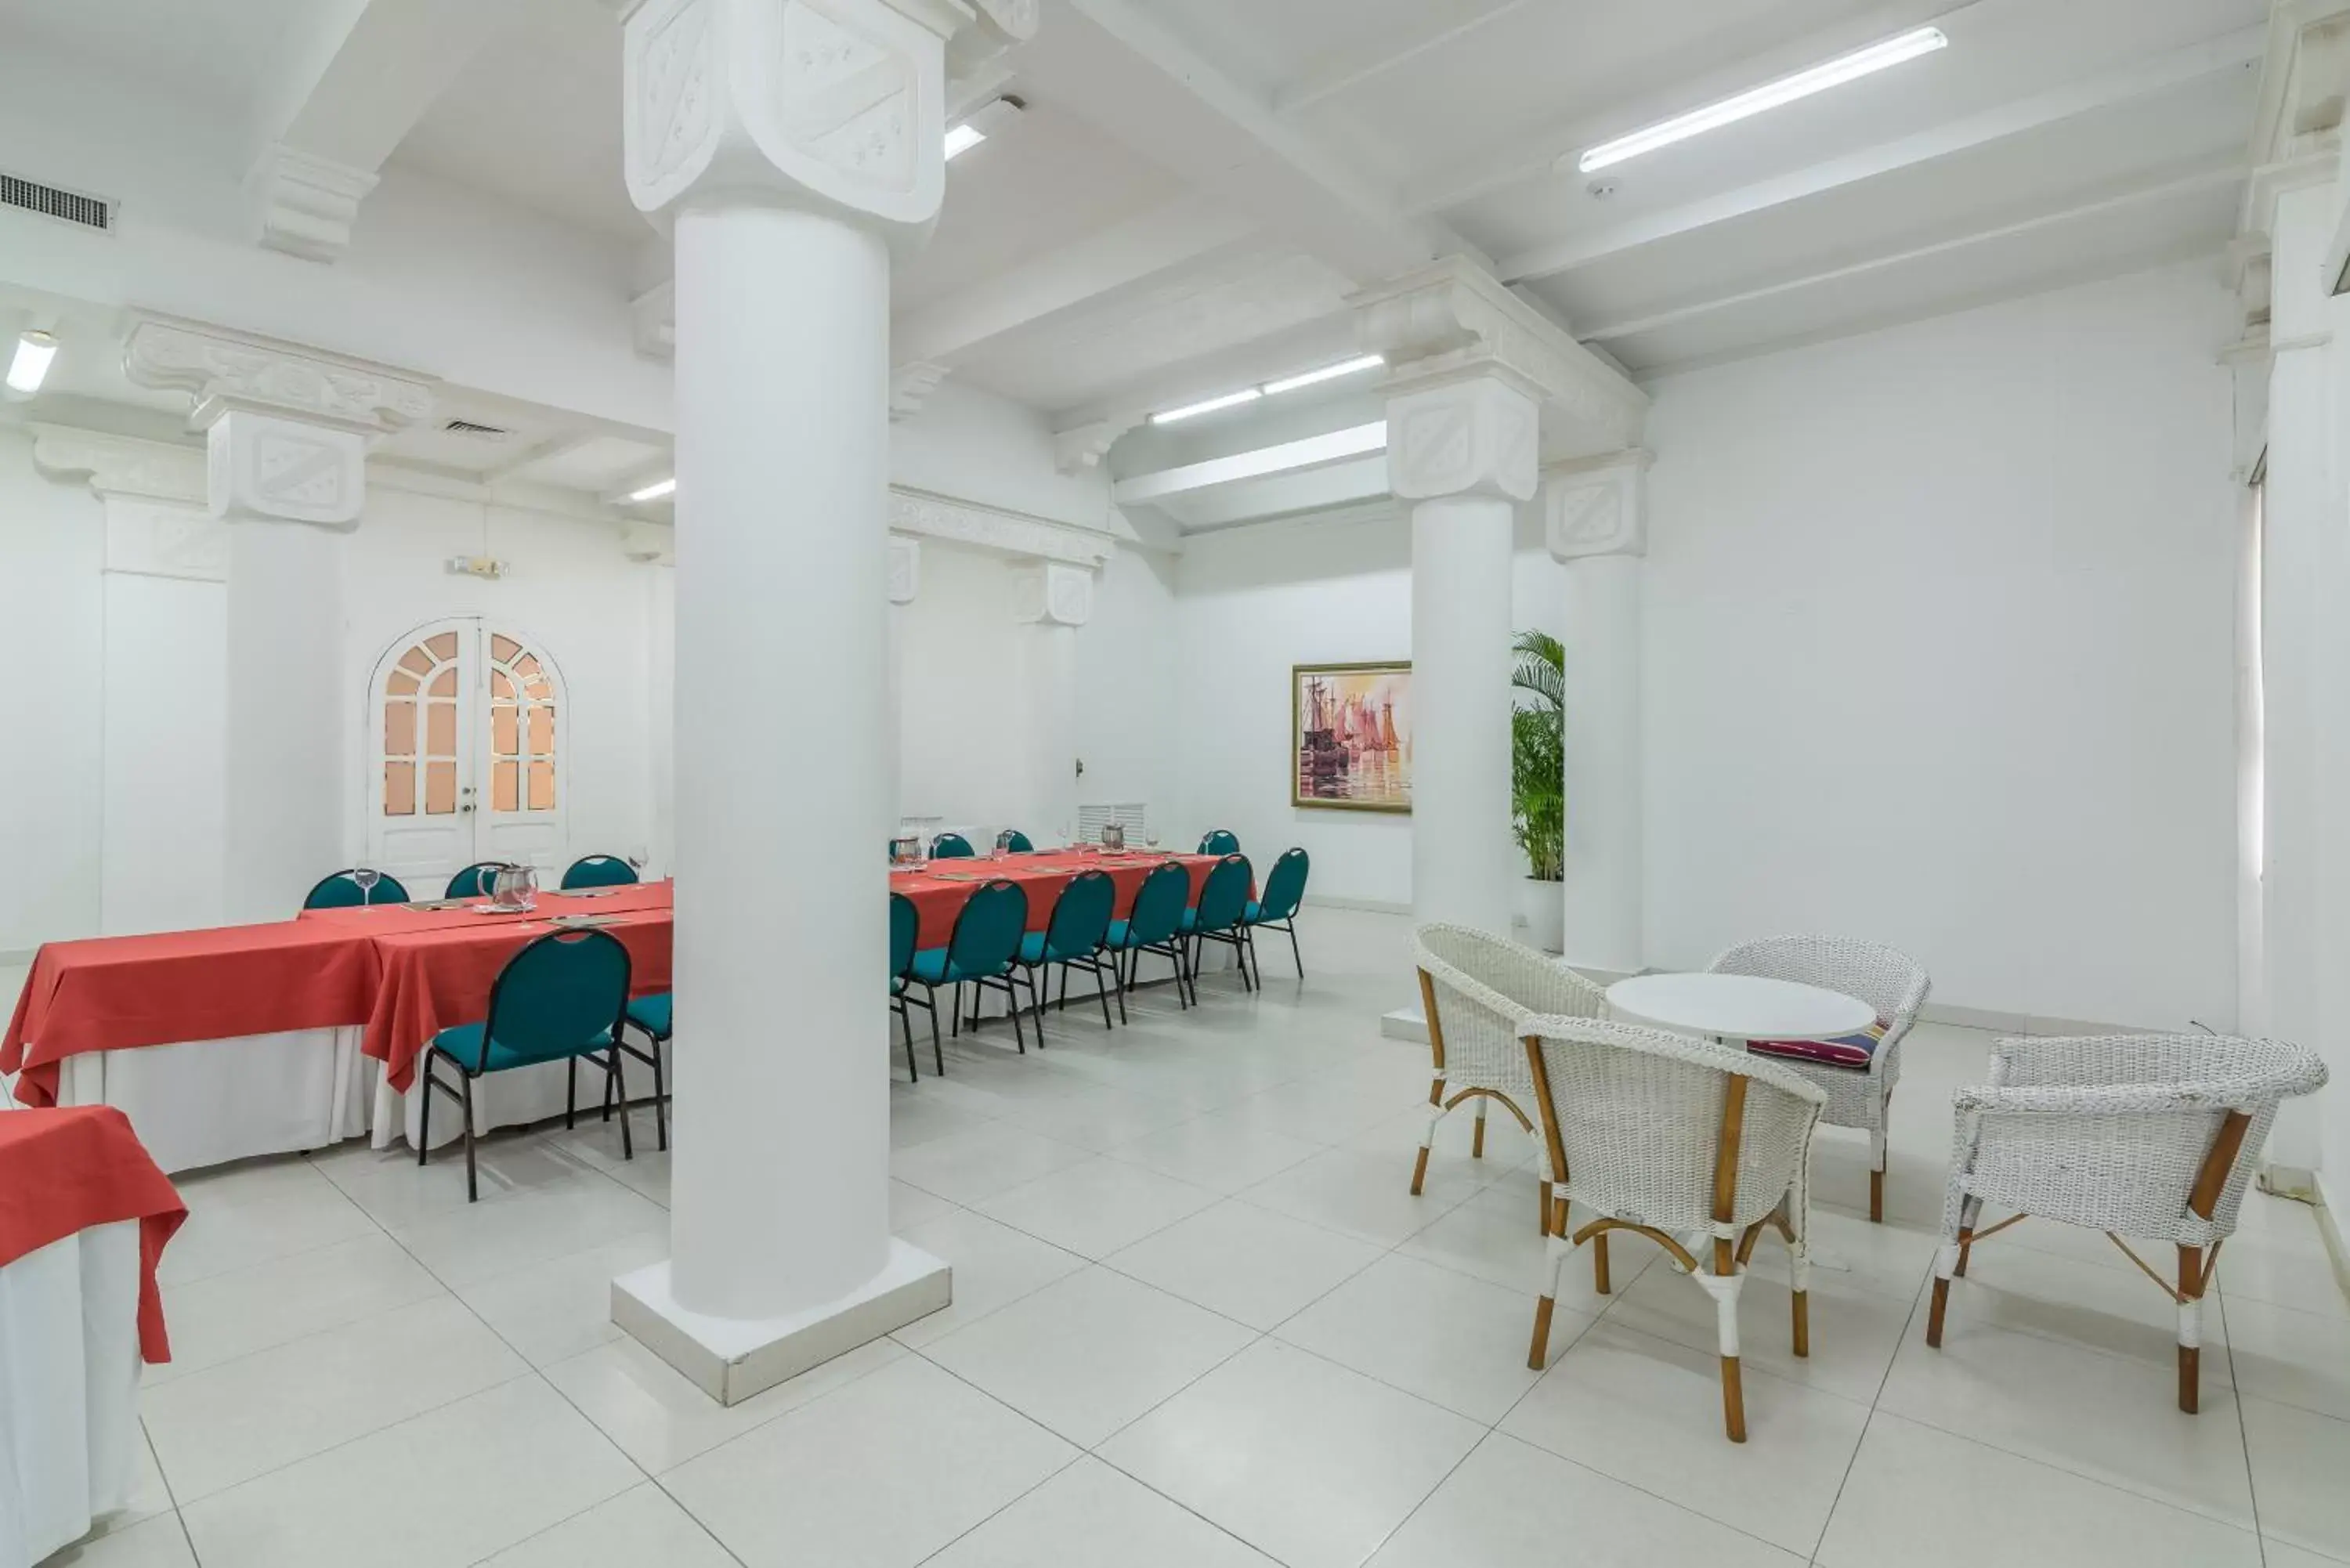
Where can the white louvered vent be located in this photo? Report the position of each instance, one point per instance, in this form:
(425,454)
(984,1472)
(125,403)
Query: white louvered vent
(49,202)
(1134,815)
(468,428)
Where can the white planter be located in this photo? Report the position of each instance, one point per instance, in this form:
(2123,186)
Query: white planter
(1542,911)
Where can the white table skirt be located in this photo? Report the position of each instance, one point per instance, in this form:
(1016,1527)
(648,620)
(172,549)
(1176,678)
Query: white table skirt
(206,1102)
(68,1389)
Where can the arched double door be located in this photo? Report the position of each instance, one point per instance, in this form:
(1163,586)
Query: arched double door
(467,754)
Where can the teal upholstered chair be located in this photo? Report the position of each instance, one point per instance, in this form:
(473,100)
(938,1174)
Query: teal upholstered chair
(1074,937)
(980,953)
(599,871)
(342,891)
(1285,889)
(651,1017)
(905,925)
(558,1000)
(1155,925)
(950,847)
(1016,842)
(475,880)
(1224,903)
(1220,841)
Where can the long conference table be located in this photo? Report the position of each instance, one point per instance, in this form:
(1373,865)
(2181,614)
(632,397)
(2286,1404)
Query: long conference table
(237,1041)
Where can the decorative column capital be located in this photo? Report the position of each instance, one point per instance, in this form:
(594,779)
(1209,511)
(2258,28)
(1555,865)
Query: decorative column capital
(1467,437)
(1597,506)
(832,105)
(910,387)
(153,496)
(303,204)
(653,543)
(1082,447)
(905,569)
(1053,592)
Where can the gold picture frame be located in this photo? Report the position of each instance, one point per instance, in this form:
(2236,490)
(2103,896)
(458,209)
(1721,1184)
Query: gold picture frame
(1350,736)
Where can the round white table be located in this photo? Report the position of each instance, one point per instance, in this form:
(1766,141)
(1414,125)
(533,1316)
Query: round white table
(1738,1006)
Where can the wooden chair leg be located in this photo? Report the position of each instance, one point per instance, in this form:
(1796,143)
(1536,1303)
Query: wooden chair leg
(1802,1300)
(1476,1139)
(1876,1197)
(1541,1213)
(2190,1356)
(1537,1353)
(1600,1281)
(1733,1400)
(1724,1289)
(1420,1170)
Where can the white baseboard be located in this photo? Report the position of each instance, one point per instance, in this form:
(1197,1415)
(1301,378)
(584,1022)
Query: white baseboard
(1371,905)
(16,958)
(2329,1226)
(2001,1022)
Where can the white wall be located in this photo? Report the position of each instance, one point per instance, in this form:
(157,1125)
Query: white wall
(1940,650)
(969,443)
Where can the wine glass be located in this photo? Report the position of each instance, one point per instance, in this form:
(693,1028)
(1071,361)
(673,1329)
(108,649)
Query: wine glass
(367,877)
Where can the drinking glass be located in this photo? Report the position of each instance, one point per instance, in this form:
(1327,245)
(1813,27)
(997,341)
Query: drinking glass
(1003,844)
(367,879)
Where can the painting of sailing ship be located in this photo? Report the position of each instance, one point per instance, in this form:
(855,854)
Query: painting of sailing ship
(1350,736)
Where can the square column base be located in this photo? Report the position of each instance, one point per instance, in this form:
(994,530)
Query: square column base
(730,1359)
(1405,1023)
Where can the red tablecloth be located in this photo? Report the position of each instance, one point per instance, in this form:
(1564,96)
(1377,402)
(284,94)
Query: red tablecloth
(64,1171)
(438,971)
(941,891)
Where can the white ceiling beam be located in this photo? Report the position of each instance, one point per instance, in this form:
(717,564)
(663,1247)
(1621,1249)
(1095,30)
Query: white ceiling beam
(2177,182)
(1112,63)
(1352,70)
(2139,79)
(347,86)
(1531,155)
(1313,451)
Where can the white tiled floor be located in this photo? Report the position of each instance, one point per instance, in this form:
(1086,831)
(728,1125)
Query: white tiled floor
(1199,1320)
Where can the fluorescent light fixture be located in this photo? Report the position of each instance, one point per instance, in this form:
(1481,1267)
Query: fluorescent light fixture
(31,364)
(656,490)
(1326,373)
(963,138)
(1769,96)
(1229,401)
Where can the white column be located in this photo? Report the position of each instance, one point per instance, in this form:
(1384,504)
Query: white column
(791,148)
(1463,451)
(905,583)
(1054,599)
(1596,529)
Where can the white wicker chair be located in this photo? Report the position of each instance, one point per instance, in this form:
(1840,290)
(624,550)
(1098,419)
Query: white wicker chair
(1477,990)
(1887,979)
(2152,1135)
(1686,1142)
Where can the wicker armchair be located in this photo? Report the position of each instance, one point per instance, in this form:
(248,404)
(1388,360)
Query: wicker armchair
(1887,979)
(1684,1141)
(1478,992)
(2152,1135)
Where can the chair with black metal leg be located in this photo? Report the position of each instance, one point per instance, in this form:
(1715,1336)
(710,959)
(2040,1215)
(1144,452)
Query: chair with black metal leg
(905,926)
(1285,889)
(354,888)
(650,1016)
(1224,903)
(1220,841)
(1155,925)
(558,1000)
(599,871)
(980,953)
(1074,939)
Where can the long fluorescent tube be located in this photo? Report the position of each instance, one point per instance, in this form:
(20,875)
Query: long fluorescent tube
(656,490)
(1229,401)
(31,364)
(1326,373)
(963,138)
(1770,95)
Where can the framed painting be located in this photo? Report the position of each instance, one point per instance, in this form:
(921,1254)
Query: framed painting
(1350,735)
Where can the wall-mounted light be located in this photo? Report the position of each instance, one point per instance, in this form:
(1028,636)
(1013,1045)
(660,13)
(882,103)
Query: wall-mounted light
(30,366)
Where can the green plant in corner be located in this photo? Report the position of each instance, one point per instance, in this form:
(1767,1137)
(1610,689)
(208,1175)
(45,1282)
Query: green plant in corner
(1538,754)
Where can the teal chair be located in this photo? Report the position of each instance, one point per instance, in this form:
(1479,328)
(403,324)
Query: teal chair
(1016,842)
(475,880)
(1220,841)
(342,891)
(558,1000)
(1155,925)
(950,847)
(650,1016)
(905,925)
(1074,937)
(599,871)
(1285,889)
(980,953)
(1223,903)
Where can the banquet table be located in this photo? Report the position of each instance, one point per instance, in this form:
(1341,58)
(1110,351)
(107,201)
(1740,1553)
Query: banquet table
(941,888)
(85,1215)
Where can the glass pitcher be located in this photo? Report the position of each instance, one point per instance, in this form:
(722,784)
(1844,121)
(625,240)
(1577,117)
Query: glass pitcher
(905,851)
(1113,837)
(515,888)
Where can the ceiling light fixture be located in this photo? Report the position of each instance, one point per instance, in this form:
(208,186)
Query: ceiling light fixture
(1207,406)
(656,490)
(963,138)
(31,364)
(981,123)
(1843,69)
(1326,373)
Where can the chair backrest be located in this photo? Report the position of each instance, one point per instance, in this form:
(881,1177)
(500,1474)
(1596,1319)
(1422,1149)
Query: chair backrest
(1633,1123)
(987,932)
(1888,979)
(1159,906)
(1285,887)
(1477,990)
(475,881)
(599,871)
(1223,899)
(342,891)
(949,846)
(1017,842)
(563,994)
(1080,916)
(905,926)
(1220,841)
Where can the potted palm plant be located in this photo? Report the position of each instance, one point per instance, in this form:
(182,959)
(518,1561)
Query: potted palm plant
(1538,784)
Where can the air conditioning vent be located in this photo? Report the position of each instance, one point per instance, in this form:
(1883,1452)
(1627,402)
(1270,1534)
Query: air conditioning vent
(49,202)
(468,428)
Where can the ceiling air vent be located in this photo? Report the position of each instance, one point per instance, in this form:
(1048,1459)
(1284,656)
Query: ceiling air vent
(67,206)
(468,428)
